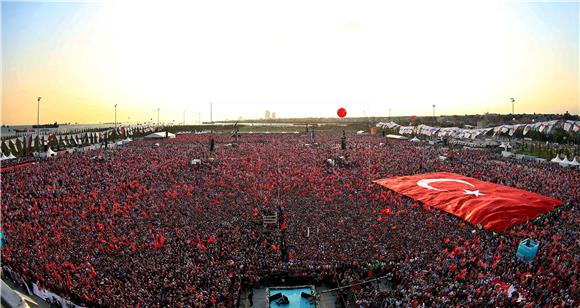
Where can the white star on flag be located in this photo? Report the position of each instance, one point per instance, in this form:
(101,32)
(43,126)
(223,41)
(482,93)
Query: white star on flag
(473,192)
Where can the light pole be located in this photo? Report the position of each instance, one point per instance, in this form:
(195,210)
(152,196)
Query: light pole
(37,120)
(38,110)
(433,110)
(389,114)
(513,101)
(157,116)
(115,121)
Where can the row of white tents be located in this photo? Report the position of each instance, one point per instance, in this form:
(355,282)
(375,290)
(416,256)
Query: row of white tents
(4,157)
(565,162)
(51,153)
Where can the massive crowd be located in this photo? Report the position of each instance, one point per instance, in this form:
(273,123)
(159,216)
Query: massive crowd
(144,227)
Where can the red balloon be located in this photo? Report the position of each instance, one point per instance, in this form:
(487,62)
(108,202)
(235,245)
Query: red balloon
(341,112)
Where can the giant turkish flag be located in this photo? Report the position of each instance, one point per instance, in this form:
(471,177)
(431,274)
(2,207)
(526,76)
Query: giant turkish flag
(495,207)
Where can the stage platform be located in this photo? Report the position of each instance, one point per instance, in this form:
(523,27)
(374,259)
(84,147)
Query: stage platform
(294,296)
(327,300)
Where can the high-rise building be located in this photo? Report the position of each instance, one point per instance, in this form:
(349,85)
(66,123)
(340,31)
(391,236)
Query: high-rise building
(273,115)
(267,116)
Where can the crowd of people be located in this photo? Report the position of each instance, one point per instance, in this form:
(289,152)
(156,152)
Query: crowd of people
(143,227)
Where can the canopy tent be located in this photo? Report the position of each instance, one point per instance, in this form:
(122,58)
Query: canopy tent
(50,153)
(505,146)
(398,137)
(11,156)
(160,135)
(415,139)
(565,162)
(3,157)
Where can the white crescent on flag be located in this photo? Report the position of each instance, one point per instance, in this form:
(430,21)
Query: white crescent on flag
(425,183)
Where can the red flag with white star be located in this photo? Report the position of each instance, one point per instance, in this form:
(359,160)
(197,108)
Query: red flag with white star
(494,207)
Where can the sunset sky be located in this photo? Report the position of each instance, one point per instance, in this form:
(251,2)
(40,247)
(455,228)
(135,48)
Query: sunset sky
(297,58)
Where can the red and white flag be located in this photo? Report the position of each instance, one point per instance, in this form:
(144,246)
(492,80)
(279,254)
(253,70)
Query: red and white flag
(494,207)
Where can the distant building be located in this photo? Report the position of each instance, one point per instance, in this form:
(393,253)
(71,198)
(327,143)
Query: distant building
(273,115)
(267,115)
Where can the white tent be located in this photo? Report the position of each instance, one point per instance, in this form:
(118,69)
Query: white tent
(11,156)
(398,137)
(556,159)
(506,154)
(566,161)
(3,157)
(575,162)
(360,132)
(505,146)
(415,139)
(50,153)
(160,135)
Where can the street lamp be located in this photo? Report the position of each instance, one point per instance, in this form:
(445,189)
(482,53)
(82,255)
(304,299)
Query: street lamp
(157,116)
(116,122)
(37,120)
(38,110)
(513,101)
(433,110)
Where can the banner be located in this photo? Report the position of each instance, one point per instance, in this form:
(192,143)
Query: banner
(494,207)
